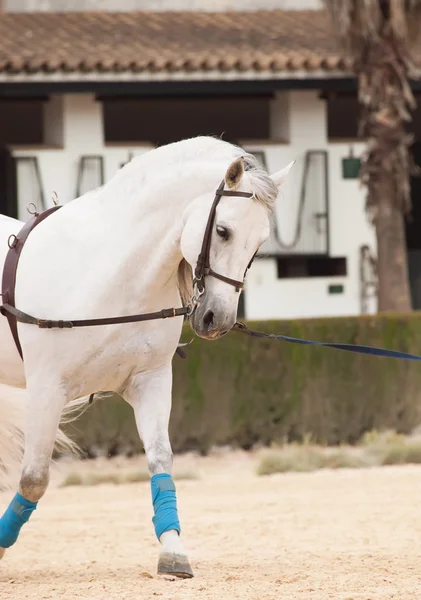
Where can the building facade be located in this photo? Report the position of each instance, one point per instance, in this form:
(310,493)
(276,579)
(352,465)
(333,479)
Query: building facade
(79,98)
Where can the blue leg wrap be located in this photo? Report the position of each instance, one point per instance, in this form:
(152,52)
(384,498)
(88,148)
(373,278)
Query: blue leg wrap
(17,513)
(164,504)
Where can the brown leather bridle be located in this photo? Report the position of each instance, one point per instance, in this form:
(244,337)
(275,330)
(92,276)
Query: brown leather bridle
(202,270)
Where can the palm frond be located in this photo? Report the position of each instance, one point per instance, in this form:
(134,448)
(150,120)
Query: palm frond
(359,21)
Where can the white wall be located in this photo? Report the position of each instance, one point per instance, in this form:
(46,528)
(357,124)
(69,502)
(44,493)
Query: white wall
(73,126)
(270,297)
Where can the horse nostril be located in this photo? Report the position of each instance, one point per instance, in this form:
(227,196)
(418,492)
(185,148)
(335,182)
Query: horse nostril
(208,319)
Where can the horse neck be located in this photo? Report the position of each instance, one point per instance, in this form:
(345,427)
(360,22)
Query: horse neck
(142,222)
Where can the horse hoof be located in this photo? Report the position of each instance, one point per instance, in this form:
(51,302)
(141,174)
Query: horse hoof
(2,551)
(174,564)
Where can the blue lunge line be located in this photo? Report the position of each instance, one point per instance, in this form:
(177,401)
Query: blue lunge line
(17,513)
(347,347)
(353,348)
(164,504)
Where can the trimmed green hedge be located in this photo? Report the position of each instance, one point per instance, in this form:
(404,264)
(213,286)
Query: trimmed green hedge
(244,391)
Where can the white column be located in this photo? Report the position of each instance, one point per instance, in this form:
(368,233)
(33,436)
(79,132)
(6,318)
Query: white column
(83,127)
(83,135)
(308,120)
(72,127)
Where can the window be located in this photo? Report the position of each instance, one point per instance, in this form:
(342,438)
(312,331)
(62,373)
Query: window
(167,119)
(310,266)
(21,121)
(343,113)
(342,117)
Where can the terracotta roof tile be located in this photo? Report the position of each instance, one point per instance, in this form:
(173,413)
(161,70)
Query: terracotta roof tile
(170,42)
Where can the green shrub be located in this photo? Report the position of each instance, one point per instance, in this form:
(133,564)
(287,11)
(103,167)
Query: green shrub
(244,391)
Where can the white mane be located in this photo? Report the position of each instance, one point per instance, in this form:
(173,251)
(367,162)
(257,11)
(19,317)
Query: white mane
(199,149)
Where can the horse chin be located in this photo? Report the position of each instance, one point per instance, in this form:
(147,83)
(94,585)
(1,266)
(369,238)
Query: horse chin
(210,335)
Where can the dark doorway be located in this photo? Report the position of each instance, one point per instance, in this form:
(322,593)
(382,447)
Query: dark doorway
(413,233)
(8,185)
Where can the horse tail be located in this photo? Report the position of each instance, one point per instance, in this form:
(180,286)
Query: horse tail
(12,439)
(75,408)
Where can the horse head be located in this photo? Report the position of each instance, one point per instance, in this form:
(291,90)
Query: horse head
(219,243)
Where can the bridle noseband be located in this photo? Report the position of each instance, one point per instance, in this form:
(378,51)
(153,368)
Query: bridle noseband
(203,268)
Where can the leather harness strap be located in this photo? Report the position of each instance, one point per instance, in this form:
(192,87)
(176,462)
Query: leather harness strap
(14,315)
(16,243)
(50,324)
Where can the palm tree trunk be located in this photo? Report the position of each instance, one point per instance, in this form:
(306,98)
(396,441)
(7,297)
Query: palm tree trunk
(385,97)
(392,269)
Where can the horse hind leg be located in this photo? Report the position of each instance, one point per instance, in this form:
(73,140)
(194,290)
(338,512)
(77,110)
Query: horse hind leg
(44,408)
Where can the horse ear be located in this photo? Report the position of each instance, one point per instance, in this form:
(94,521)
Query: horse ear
(279,177)
(235,173)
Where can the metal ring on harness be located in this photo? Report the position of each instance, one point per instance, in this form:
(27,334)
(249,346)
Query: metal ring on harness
(34,212)
(195,301)
(10,243)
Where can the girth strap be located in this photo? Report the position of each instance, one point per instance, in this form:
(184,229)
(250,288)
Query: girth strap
(16,243)
(22,317)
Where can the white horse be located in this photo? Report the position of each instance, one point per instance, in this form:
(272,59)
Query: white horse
(129,247)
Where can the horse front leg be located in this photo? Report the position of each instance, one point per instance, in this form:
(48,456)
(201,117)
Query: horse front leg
(45,404)
(150,397)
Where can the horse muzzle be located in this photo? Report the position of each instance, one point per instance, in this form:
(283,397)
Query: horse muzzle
(211,320)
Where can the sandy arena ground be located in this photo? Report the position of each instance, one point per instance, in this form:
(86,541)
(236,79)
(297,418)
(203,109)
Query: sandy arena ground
(344,535)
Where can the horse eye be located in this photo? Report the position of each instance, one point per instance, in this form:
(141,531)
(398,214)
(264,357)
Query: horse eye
(222,232)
